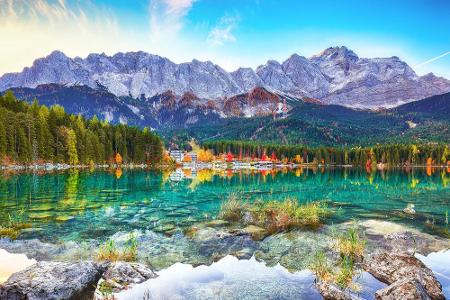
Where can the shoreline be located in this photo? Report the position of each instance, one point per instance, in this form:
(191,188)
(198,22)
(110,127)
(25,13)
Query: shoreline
(49,167)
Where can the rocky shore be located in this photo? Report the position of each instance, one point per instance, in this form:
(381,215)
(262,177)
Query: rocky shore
(390,258)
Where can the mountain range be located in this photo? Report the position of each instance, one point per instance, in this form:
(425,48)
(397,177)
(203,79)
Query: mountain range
(335,76)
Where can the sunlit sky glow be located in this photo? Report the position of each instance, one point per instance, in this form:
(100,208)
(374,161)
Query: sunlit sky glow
(231,33)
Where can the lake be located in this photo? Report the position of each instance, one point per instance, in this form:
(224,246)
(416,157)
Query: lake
(74,211)
(76,205)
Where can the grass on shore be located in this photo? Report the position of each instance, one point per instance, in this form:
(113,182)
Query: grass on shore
(275,216)
(350,246)
(109,251)
(321,266)
(14,225)
(351,243)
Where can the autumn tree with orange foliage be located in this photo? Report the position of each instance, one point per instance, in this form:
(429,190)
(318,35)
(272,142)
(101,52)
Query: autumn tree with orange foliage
(298,159)
(166,157)
(187,158)
(118,159)
(205,155)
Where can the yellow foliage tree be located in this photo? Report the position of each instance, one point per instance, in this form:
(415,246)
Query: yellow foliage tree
(118,159)
(205,155)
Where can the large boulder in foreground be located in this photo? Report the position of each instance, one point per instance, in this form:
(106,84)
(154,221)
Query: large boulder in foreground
(407,289)
(393,268)
(53,280)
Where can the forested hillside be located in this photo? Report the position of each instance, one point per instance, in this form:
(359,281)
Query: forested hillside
(32,133)
(315,125)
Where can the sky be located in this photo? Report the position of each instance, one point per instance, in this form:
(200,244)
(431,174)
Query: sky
(231,33)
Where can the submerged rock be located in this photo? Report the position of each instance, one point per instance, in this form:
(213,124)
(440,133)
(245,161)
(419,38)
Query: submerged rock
(392,268)
(122,275)
(409,209)
(32,248)
(217,223)
(403,289)
(256,232)
(393,237)
(220,244)
(53,280)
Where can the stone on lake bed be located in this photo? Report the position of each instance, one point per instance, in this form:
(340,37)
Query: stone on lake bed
(152,219)
(176,214)
(165,228)
(173,231)
(245,253)
(46,207)
(217,223)
(40,216)
(377,227)
(94,206)
(255,232)
(31,229)
(64,218)
(118,191)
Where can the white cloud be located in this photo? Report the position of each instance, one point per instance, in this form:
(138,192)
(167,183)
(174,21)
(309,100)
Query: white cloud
(222,33)
(166,18)
(33,28)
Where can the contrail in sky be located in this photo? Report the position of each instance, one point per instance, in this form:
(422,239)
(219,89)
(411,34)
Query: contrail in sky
(431,60)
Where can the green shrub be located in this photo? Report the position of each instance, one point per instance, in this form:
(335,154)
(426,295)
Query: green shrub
(232,209)
(15,224)
(109,251)
(351,243)
(344,277)
(321,267)
(275,216)
(9,232)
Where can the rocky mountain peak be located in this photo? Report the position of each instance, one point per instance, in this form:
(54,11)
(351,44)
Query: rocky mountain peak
(246,78)
(56,55)
(339,52)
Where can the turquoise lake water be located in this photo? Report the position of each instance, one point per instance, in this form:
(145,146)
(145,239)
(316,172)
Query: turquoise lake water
(77,205)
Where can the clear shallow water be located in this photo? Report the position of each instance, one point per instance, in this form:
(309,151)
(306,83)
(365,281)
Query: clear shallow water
(78,205)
